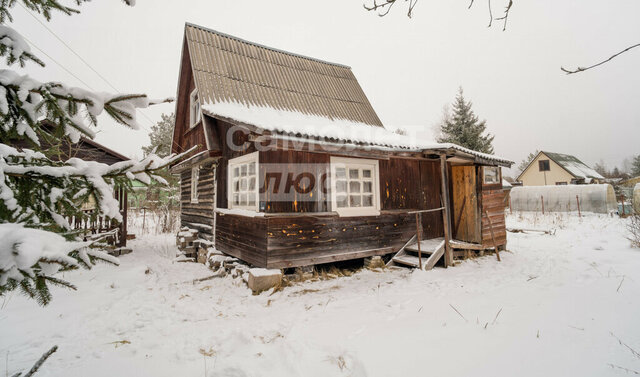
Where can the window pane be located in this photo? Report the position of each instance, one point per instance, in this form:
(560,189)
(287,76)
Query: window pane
(252,200)
(252,168)
(252,183)
(367,186)
(236,199)
(354,200)
(341,186)
(341,201)
(236,172)
(354,173)
(243,184)
(366,173)
(243,199)
(354,186)
(367,201)
(341,173)
(236,185)
(243,170)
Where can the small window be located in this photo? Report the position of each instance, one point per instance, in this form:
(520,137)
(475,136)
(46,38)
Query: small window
(243,182)
(491,175)
(354,186)
(543,165)
(561,183)
(195,176)
(194,117)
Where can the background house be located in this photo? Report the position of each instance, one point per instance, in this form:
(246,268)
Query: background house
(549,168)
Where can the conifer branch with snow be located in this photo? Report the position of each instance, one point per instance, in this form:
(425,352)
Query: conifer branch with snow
(39,193)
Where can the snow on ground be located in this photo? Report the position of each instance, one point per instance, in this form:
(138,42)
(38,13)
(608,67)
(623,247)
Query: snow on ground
(563,300)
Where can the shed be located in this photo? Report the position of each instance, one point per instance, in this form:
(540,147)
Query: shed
(294,167)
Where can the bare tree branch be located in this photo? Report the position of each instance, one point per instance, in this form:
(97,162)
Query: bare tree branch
(385,7)
(582,69)
(505,17)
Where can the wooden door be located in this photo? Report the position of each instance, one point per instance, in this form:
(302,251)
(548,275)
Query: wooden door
(465,211)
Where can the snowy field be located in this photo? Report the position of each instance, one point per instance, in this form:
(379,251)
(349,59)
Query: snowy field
(557,305)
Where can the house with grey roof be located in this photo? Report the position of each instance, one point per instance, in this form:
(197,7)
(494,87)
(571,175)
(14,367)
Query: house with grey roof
(292,166)
(549,168)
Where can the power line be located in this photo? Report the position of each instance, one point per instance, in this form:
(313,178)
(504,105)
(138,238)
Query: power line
(58,63)
(83,61)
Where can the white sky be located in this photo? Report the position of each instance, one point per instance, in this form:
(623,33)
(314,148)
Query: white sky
(409,68)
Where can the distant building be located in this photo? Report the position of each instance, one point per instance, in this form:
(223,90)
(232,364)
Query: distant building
(549,168)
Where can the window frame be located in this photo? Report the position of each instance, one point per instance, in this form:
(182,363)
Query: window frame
(484,176)
(243,160)
(195,180)
(336,162)
(548,163)
(194,118)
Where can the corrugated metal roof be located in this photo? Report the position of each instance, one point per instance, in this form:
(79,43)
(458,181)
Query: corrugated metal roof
(230,69)
(573,165)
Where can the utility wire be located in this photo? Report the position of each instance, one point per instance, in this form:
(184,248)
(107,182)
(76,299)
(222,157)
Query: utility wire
(81,59)
(58,63)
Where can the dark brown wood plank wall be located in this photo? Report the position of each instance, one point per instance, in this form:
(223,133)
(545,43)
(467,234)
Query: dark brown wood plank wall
(295,163)
(243,237)
(493,204)
(233,145)
(185,137)
(305,240)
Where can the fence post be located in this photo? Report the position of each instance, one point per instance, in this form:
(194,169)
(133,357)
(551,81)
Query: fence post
(578,200)
(542,200)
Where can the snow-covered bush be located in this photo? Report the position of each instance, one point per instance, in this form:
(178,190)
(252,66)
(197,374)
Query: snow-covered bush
(38,193)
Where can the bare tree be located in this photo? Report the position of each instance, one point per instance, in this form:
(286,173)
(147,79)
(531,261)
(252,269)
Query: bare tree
(385,6)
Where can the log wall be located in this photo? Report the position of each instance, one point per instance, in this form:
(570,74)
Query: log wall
(198,215)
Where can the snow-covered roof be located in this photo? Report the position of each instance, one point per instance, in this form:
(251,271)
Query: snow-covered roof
(574,166)
(296,125)
(230,69)
(290,94)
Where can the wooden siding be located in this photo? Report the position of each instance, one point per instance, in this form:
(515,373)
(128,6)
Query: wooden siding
(465,208)
(493,204)
(315,163)
(185,137)
(243,237)
(305,240)
(197,215)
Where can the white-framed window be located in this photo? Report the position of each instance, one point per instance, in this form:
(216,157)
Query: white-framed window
(355,186)
(491,175)
(242,177)
(194,106)
(195,176)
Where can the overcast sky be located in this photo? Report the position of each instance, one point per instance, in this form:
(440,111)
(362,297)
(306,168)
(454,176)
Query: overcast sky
(409,68)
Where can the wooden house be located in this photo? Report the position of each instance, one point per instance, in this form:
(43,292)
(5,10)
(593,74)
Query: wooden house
(294,168)
(88,150)
(549,168)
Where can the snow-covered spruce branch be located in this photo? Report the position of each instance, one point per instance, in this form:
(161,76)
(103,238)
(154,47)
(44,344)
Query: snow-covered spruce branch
(44,7)
(37,241)
(25,101)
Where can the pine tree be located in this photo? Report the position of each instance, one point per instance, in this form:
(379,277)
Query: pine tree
(38,193)
(524,163)
(462,127)
(635,166)
(160,136)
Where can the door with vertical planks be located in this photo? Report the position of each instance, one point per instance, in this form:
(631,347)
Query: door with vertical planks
(465,209)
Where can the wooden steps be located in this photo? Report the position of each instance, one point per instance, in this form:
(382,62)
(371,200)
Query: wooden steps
(432,250)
